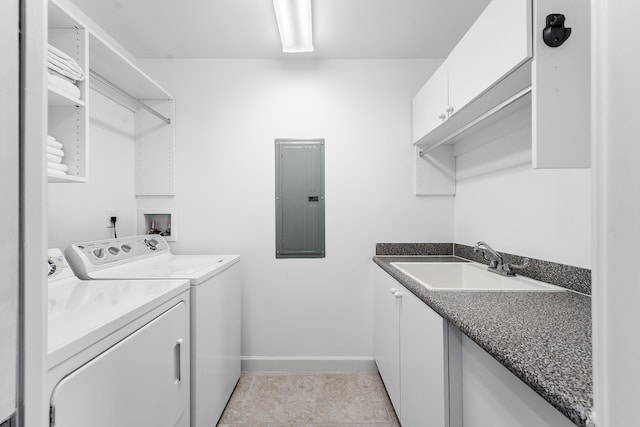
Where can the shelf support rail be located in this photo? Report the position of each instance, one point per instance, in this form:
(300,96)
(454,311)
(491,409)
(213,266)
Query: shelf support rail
(139,103)
(478,120)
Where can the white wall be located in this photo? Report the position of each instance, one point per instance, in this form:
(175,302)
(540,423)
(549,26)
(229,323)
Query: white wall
(228,113)
(500,199)
(78,212)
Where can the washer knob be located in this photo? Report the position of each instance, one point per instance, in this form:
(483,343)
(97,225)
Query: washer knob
(152,244)
(126,248)
(113,250)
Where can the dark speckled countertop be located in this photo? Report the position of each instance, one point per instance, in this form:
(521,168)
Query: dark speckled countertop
(544,338)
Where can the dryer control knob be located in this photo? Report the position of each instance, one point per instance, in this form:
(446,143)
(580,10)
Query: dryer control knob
(52,267)
(98,253)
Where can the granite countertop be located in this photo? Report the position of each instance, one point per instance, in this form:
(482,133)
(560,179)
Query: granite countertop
(544,338)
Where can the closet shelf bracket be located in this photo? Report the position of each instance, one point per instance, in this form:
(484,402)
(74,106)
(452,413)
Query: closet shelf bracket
(121,92)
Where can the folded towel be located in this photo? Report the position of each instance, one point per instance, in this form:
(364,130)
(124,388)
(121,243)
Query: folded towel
(65,73)
(53,172)
(73,71)
(62,59)
(58,166)
(53,158)
(55,144)
(55,151)
(64,86)
(57,52)
(55,73)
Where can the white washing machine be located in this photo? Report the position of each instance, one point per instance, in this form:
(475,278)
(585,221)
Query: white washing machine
(118,350)
(215,307)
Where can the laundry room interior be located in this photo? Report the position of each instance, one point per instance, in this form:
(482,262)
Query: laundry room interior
(175,173)
(228,114)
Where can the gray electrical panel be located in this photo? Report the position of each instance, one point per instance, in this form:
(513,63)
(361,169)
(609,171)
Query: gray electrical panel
(300,198)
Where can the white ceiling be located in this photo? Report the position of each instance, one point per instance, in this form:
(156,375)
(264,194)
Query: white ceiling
(247,28)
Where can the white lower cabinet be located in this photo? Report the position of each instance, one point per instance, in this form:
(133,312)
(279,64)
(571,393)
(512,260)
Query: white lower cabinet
(411,351)
(386,337)
(495,397)
(423,364)
(438,377)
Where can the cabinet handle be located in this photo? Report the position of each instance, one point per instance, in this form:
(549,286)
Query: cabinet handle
(442,116)
(397,294)
(177,356)
(449,109)
(393,291)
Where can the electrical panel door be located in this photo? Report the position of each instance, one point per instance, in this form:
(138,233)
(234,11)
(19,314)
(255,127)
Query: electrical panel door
(300,198)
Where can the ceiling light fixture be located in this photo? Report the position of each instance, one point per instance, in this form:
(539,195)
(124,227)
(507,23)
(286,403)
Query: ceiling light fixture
(294,23)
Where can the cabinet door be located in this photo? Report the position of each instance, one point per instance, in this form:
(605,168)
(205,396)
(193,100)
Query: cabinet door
(493,396)
(497,43)
(430,103)
(423,361)
(141,381)
(10,207)
(561,90)
(386,340)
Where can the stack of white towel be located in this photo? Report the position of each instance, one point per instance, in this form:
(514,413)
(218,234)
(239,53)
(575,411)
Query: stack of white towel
(55,153)
(63,72)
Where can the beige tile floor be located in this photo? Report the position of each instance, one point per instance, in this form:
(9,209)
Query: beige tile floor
(310,400)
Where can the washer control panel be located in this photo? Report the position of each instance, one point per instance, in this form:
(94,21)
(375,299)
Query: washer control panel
(102,253)
(57,267)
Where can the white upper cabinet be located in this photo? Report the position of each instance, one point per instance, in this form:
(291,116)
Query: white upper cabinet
(497,43)
(479,74)
(429,105)
(500,67)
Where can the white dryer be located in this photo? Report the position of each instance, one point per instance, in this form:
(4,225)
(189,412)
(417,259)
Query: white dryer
(118,350)
(215,307)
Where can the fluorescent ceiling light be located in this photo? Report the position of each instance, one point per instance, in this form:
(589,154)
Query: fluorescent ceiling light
(294,23)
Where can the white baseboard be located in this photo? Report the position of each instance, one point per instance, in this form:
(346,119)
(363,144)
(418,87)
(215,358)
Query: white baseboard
(308,364)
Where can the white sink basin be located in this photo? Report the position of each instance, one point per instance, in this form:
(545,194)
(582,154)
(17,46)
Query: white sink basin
(468,276)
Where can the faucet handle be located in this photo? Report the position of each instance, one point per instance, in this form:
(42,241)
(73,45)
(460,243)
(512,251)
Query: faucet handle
(525,264)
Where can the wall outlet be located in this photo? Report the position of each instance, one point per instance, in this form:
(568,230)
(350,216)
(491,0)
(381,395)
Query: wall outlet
(110,213)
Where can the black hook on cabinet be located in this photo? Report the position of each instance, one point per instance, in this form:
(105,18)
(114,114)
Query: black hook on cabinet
(555,33)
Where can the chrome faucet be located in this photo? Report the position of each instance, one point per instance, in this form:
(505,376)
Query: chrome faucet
(496,261)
